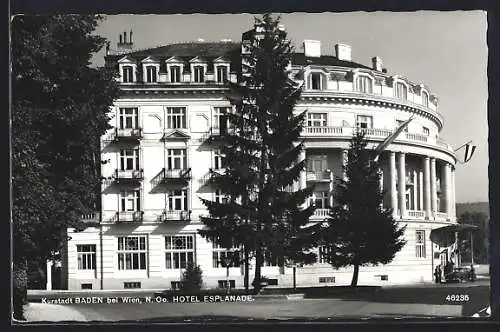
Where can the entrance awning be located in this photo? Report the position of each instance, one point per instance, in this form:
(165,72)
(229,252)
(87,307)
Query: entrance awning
(445,236)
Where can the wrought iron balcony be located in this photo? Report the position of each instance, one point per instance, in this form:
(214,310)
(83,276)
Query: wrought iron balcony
(127,134)
(129,216)
(90,218)
(171,175)
(128,176)
(321,213)
(212,135)
(175,215)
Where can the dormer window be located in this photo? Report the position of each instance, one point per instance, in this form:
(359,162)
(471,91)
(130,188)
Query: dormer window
(151,74)
(316,82)
(401,90)
(425,99)
(198,74)
(364,84)
(127,74)
(221,73)
(175,74)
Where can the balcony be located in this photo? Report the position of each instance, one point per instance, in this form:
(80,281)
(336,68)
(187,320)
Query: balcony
(175,215)
(127,134)
(416,214)
(209,177)
(442,215)
(416,137)
(90,218)
(129,216)
(323,213)
(128,176)
(172,175)
(321,176)
(375,132)
(322,131)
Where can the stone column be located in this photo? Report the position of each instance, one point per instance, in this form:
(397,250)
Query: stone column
(402,185)
(453,202)
(447,189)
(427,188)
(415,190)
(393,188)
(49,275)
(420,191)
(434,207)
(344,159)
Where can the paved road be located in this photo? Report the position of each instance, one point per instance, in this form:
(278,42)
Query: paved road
(428,301)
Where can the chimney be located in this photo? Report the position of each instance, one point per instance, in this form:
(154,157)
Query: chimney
(125,37)
(124,45)
(343,52)
(121,41)
(312,48)
(377,63)
(131,37)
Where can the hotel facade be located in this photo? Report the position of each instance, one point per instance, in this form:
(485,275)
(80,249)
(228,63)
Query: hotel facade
(158,158)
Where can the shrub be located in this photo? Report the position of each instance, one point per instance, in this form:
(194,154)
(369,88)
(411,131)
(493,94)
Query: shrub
(19,295)
(192,280)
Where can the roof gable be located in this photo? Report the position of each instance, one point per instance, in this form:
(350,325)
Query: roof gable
(150,59)
(174,59)
(175,134)
(126,59)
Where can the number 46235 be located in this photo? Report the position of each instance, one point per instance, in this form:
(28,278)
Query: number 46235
(457,297)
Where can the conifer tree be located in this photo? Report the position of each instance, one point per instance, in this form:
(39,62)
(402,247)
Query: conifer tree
(359,231)
(264,210)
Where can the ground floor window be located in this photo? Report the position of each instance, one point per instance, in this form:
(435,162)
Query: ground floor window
(222,256)
(323,254)
(179,251)
(86,254)
(420,243)
(132,253)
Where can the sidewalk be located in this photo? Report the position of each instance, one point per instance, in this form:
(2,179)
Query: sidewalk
(38,312)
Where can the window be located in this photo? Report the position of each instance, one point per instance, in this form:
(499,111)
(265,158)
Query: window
(320,199)
(133,284)
(364,122)
(176,159)
(317,163)
(222,256)
(426,131)
(315,81)
(128,74)
(399,123)
(316,119)
(364,84)
(401,91)
(323,253)
(86,286)
(220,197)
(175,74)
(222,74)
(270,259)
(425,99)
(176,117)
(151,75)
(420,243)
(132,253)
(86,256)
(179,251)
(219,160)
(223,284)
(199,74)
(220,119)
(178,200)
(130,201)
(129,118)
(129,159)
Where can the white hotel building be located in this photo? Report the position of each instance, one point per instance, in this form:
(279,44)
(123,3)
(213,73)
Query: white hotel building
(158,162)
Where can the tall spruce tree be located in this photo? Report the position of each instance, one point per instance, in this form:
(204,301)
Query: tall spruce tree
(359,231)
(264,211)
(60,108)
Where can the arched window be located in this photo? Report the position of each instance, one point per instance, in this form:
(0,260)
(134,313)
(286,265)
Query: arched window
(316,81)
(400,90)
(425,98)
(364,84)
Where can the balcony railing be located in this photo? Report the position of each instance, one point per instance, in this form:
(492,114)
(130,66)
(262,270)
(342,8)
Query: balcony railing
(128,175)
(127,134)
(375,132)
(416,137)
(173,215)
(416,214)
(322,130)
(210,176)
(91,218)
(321,212)
(320,176)
(129,216)
(167,175)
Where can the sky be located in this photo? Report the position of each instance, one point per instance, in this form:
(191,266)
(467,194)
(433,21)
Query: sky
(447,51)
